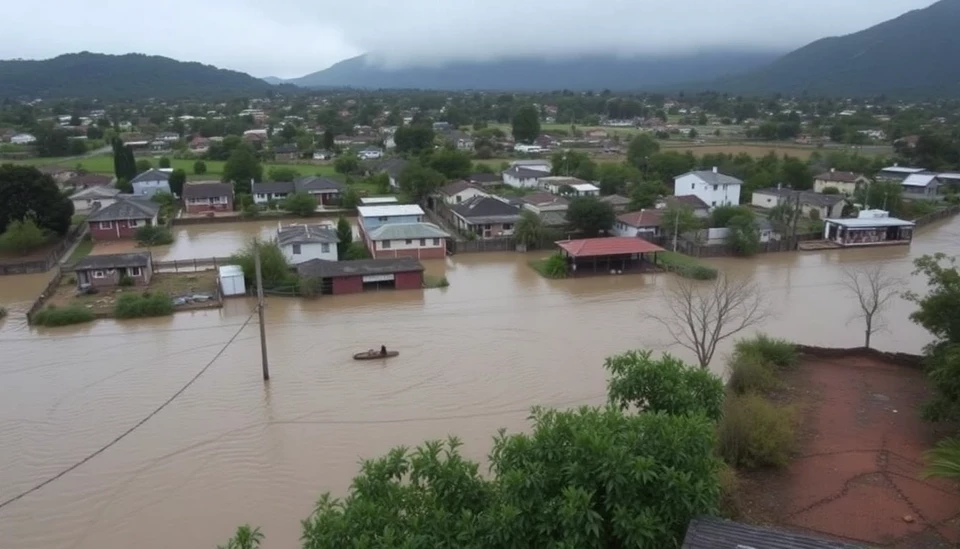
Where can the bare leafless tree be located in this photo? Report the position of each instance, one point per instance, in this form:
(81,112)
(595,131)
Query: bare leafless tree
(874,288)
(702,314)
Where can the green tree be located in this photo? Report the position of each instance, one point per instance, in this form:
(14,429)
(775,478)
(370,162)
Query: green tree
(301,203)
(346,163)
(177,179)
(22,237)
(590,216)
(282,173)
(245,538)
(721,215)
(525,124)
(344,237)
(143,165)
(414,139)
(451,163)
(744,235)
(242,168)
(613,178)
(529,229)
(328,140)
(677,219)
(164,162)
(350,198)
(420,181)
(796,174)
(26,192)
(641,148)
(124,166)
(644,194)
(124,185)
(666,385)
(275,268)
(199,167)
(575,164)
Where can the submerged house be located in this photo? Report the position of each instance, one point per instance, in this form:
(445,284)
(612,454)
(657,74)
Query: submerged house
(301,243)
(871,228)
(351,277)
(106,271)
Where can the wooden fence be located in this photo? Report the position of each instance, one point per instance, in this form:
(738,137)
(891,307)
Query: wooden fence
(191,265)
(937,216)
(50,260)
(508,244)
(46,293)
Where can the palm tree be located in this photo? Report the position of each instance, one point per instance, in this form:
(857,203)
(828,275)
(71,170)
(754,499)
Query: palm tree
(529,229)
(245,538)
(944,460)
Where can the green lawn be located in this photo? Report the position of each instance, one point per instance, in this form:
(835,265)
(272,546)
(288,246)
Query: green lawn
(81,251)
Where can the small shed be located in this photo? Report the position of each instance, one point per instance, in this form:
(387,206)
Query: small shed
(355,276)
(231,281)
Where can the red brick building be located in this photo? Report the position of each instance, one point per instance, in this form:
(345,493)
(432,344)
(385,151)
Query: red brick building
(416,240)
(208,196)
(350,277)
(120,220)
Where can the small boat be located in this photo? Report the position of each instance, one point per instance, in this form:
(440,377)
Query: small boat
(368,355)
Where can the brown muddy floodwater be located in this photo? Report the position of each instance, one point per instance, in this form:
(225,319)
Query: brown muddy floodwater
(231,449)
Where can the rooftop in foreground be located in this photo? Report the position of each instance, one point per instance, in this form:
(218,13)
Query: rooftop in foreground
(319,268)
(614,245)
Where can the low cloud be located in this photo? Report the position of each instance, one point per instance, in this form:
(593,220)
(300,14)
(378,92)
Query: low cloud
(289,38)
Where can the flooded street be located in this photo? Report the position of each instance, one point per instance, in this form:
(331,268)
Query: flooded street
(231,449)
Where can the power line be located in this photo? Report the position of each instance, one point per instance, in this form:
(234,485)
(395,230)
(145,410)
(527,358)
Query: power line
(131,429)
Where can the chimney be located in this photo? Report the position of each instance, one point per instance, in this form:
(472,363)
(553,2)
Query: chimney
(714,169)
(832,170)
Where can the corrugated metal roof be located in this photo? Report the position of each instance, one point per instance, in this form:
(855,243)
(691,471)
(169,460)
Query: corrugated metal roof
(712,533)
(306,234)
(374,200)
(860,223)
(407,231)
(901,169)
(713,178)
(919,179)
(390,210)
(614,245)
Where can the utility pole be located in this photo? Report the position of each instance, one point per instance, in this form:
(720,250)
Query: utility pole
(676,228)
(263,330)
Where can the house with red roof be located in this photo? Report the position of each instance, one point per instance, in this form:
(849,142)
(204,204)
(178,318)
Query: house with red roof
(642,223)
(609,255)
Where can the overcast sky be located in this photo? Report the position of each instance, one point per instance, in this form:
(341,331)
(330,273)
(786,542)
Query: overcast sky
(290,38)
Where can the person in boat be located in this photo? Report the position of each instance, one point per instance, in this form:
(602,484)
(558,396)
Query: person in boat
(383,350)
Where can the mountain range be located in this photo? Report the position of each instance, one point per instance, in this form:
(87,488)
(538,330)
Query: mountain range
(133,76)
(911,55)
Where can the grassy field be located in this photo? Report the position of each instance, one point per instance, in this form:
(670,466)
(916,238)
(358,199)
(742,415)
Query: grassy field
(104,164)
(82,250)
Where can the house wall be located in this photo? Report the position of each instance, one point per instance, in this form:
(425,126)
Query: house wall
(622,229)
(722,195)
(463,196)
(200,205)
(432,248)
(409,281)
(371,223)
(325,197)
(845,188)
(310,251)
(493,230)
(263,198)
(111,277)
(913,190)
(118,230)
(521,182)
(150,187)
(347,285)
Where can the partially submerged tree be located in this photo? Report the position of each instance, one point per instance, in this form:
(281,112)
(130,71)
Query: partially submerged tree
(873,288)
(529,229)
(701,315)
(302,204)
(245,538)
(590,216)
(344,237)
(22,237)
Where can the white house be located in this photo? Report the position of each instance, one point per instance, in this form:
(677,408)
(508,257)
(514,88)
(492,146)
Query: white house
(94,197)
(523,178)
(826,205)
(23,139)
(527,149)
(370,153)
(539,165)
(151,182)
(712,187)
(460,191)
(301,243)
(639,224)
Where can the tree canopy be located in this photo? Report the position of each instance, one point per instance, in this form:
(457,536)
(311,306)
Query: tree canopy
(525,124)
(242,167)
(590,216)
(640,149)
(420,181)
(25,192)
(414,139)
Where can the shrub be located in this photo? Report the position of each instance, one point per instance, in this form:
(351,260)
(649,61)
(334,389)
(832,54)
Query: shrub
(750,373)
(153,235)
(435,282)
(56,316)
(357,250)
(22,237)
(144,305)
(554,266)
(301,204)
(199,167)
(686,266)
(250,211)
(755,433)
(125,281)
(778,352)
(730,504)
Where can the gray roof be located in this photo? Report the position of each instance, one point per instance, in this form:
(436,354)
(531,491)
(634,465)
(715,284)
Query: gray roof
(713,178)
(319,268)
(89,180)
(554,218)
(316,183)
(484,178)
(126,208)
(712,533)
(526,173)
(484,209)
(306,234)
(615,200)
(273,187)
(93,193)
(113,261)
(151,175)
(806,197)
(407,231)
(393,166)
(207,190)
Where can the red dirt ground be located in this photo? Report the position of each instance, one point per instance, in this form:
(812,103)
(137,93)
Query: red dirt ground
(857,475)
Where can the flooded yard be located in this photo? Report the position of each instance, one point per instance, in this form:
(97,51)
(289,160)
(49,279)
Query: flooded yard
(79,470)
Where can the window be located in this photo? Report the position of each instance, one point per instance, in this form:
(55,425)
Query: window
(381,219)
(507,226)
(486,227)
(134,271)
(436,241)
(97,274)
(325,248)
(459,199)
(408,242)
(386,244)
(111,271)
(296,249)
(715,187)
(106,224)
(132,222)
(714,203)
(423,241)
(693,186)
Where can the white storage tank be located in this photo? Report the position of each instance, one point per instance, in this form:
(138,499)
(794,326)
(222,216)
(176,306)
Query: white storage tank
(231,281)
